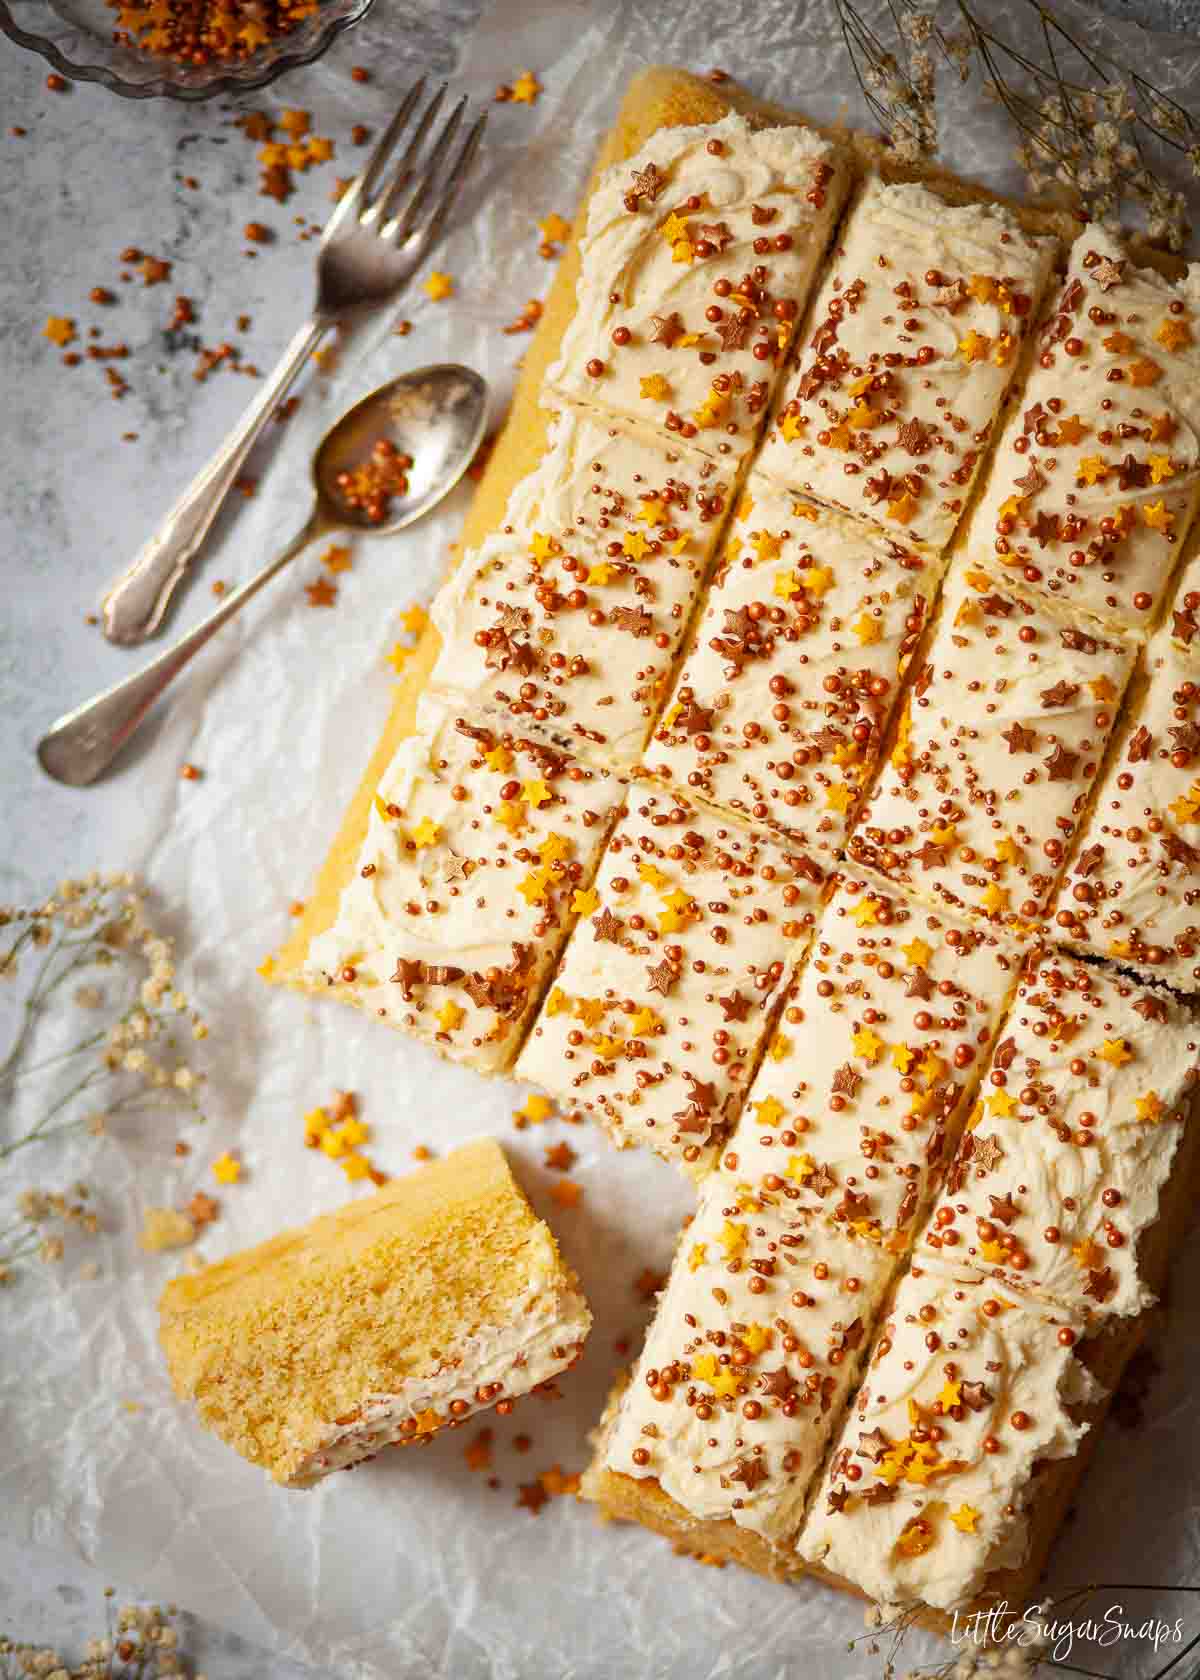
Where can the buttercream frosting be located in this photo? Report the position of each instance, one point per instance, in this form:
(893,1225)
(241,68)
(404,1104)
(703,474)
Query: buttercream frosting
(970,1389)
(1002,734)
(1065,1157)
(866,1084)
(1132,889)
(913,339)
(757,1341)
(666,991)
(569,617)
(787,687)
(1097,473)
(479,844)
(696,263)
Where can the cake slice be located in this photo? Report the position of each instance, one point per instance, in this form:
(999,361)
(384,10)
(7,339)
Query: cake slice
(479,849)
(1058,1181)
(377,1325)
(569,617)
(786,690)
(1003,732)
(755,1346)
(971,1394)
(666,992)
(860,1099)
(695,265)
(658,102)
(902,367)
(1096,476)
(1132,889)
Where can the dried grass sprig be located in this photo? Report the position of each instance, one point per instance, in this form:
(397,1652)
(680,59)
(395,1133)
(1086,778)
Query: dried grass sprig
(1089,126)
(93,970)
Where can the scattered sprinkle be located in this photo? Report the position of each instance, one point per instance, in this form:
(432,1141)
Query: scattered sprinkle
(438,286)
(478,1453)
(525,89)
(536,1111)
(59,329)
(321,593)
(227,1169)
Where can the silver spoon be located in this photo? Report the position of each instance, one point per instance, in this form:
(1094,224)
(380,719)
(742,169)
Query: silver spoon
(436,416)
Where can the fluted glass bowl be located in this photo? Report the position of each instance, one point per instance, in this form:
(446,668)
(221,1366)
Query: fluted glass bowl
(76,37)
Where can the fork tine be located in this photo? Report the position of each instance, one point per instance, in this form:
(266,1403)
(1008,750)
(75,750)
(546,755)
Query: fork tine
(402,174)
(432,168)
(367,176)
(375,164)
(453,183)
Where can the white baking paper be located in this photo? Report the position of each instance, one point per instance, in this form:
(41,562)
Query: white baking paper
(415,1566)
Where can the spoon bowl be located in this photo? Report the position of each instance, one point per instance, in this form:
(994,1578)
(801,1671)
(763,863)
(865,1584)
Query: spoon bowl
(433,419)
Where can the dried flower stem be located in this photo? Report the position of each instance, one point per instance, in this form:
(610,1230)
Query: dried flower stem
(96,931)
(1088,123)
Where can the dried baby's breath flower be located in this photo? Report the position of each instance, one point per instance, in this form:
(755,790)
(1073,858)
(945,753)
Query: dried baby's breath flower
(142,1644)
(1090,126)
(130,1049)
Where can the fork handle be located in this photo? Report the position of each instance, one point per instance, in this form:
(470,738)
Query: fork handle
(136,603)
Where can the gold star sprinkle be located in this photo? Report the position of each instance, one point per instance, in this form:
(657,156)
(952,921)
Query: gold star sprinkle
(974,347)
(227,1169)
(1150,1108)
(525,89)
(438,286)
(768,1112)
(554,229)
(535,793)
(449,1016)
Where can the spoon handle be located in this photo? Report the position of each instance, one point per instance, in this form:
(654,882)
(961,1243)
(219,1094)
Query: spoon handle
(136,603)
(84,742)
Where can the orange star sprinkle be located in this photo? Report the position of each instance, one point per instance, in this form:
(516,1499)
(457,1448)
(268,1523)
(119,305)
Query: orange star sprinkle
(1173,334)
(59,329)
(526,88)
(322,593)
(1071,429)
(554,229)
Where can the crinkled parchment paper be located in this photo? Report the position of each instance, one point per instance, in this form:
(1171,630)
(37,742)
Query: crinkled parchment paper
(414,1566)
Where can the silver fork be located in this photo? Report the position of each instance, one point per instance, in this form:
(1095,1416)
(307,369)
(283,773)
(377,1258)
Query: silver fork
(384,226)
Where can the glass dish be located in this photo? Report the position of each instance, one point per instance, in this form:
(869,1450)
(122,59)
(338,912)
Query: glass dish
(76,37)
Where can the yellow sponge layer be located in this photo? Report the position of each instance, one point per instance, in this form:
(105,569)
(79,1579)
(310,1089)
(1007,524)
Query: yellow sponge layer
(403,1311)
